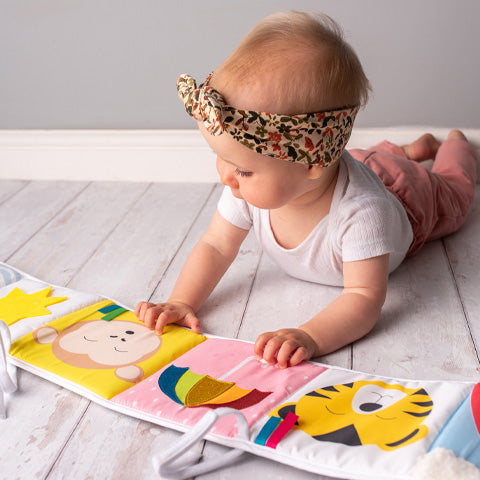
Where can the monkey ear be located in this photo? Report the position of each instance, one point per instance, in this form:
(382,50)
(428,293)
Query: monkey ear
(130,373)
(44,335)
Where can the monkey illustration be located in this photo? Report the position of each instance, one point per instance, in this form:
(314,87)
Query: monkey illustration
(100,344)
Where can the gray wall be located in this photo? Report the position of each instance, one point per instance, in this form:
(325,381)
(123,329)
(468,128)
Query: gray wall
(114,63)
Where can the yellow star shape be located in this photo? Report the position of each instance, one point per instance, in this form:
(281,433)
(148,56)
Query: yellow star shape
(18,304)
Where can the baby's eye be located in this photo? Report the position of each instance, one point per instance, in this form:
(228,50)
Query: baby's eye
(242,173)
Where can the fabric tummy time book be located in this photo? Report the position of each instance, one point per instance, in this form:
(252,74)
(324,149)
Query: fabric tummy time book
(323,419)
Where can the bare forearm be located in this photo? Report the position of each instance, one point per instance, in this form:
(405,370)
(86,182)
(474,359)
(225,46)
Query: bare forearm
(200,274)
(205,266)
(348,318)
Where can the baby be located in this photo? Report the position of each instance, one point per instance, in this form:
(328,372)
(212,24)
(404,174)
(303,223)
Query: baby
(321,213)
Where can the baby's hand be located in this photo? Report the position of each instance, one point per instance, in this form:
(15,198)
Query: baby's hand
(157,315)
(287,347)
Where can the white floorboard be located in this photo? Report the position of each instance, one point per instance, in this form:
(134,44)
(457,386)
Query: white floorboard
(129,240)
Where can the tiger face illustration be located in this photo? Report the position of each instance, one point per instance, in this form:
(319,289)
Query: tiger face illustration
(362,413)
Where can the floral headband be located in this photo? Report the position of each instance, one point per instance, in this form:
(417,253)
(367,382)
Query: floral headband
(311,138)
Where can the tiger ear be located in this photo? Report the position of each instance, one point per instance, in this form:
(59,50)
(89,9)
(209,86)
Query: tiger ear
(282,410)
(286,409)
(412,437)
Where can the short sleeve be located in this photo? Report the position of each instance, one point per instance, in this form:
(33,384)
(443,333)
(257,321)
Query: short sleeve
(377,228)
(234,210)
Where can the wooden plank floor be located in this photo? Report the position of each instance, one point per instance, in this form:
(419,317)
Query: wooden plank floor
(129,240)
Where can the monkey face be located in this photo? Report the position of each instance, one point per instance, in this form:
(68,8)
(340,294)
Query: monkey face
(111,344)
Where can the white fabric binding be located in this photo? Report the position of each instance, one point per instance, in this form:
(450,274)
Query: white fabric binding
(8,381)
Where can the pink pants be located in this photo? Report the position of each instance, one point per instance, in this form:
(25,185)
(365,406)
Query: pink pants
(437,202)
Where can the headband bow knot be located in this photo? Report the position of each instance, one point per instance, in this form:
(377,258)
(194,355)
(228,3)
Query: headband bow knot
(203,103)
(311,138)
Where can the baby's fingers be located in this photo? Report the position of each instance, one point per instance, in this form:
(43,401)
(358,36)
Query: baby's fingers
(259,346)
(144,313)
(286,347)
(164,319)
(291,354)
(192,322)
(271,349)
(140,308)
(172,316)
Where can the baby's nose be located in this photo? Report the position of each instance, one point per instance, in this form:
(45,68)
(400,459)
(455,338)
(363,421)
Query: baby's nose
(227,175)
(229,180)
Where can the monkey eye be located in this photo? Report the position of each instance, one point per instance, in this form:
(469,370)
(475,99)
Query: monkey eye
(129,332)
(113,336)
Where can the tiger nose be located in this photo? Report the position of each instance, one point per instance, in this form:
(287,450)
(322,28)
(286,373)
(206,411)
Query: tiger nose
(369,407)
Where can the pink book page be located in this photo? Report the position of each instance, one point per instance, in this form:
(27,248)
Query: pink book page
(217,373)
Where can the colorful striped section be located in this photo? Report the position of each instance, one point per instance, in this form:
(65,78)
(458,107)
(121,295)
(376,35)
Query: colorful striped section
(112,311)
(289,421)
(275,429)
(267,430)
(192,390)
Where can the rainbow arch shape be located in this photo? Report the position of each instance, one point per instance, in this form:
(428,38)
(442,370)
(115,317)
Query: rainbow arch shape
(192,390)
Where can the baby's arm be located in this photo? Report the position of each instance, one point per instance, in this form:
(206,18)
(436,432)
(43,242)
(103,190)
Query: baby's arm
(349,317)
(203,269)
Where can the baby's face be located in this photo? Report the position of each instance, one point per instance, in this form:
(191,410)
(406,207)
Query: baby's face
(262,181)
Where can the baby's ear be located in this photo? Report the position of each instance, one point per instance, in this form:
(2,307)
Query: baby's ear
(315,171)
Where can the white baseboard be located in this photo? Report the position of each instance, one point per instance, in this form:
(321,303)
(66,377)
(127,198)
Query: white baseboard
(142,155)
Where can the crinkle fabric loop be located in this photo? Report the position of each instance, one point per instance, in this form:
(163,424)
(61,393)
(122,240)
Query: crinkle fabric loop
(179,462)
(311,138)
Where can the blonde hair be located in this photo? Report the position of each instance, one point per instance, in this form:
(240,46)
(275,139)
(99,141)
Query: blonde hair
(303,62)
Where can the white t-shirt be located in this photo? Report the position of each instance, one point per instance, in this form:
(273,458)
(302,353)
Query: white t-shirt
(364,221)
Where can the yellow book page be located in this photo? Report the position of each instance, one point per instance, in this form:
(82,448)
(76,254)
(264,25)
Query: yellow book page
(104,356)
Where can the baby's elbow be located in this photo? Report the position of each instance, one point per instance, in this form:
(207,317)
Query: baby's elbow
(376,300)
(368,305)
(375,311)
(372,298)
(366,323)
(373,319)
